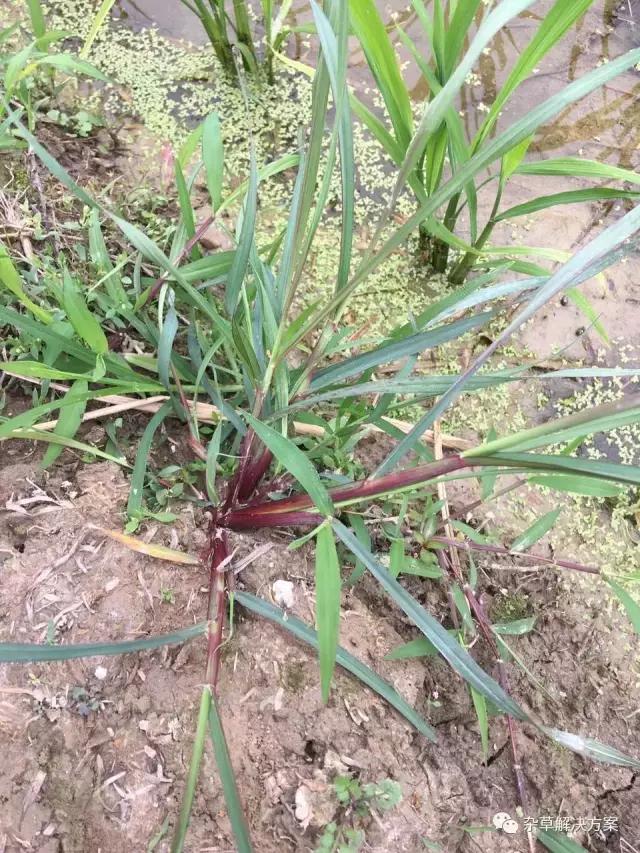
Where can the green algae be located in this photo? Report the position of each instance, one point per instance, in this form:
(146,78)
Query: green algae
(170,86)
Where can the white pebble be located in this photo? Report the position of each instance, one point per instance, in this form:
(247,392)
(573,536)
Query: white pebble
(283,593)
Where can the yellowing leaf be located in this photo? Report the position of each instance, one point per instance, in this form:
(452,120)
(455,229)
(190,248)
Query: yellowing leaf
(160,552)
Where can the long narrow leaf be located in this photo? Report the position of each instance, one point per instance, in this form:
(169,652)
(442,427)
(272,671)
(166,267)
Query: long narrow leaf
(458,29)
(457,657)
(213,158)
(480,705)
(606,243)
(38,24)
(303,632)
(334,49)
(630,605)
(96,26)
(81,318)
(537,462)
(327,605)
(150,549)
(592,749)
(537,530)
(556,842)
(69,420)
(180,835)
(32,653)
(295,461)
(10,278)
(136,488)
(228,779)
(239,267)
(607,416)
(370,31)
(576,167)
(574,484)
(570,197)
(72,443)
(554,24)
(165,342)
(388,352)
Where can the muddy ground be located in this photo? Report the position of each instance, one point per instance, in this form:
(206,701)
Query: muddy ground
(96,750)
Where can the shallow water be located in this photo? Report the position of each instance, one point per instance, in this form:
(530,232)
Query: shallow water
(606,125)
(171,17)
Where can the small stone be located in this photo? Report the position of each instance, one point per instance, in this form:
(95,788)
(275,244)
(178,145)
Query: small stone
(334,764)
(101,673)
(303,809)
(283,594)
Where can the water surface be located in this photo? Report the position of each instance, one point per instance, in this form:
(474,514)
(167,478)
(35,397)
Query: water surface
(605,125)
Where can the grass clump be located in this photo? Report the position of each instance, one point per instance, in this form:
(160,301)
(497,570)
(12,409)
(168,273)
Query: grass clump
(271,396)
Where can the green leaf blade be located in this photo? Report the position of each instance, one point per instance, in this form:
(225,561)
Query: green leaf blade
(371,32)
(556,842)
(344,659)
(480,705)
(294,460)
(69,419)
(630,605)
(240,263)
(10,278)
(457,657)
(213,158)
(328,586)
(555,23)
(36,652)
(536,531)
(83,321)
(228,779)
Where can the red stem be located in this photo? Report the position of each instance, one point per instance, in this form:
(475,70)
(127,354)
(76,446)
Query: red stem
(253,474)
(249,472)
(498,549)
(236,520)
(485,627)
(273,513)
(188,246)
(216,609)
(236,482)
